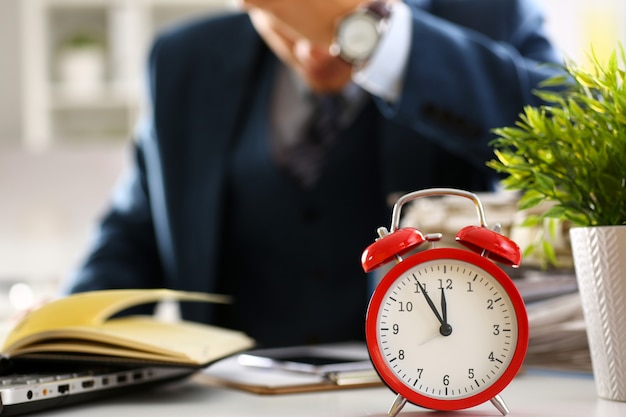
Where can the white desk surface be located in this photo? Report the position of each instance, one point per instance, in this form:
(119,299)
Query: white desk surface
(532,394)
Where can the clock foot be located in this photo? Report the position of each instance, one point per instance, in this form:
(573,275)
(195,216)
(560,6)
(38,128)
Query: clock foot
(397,405)
(499,403)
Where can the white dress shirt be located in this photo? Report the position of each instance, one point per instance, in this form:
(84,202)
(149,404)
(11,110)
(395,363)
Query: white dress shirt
(382,75)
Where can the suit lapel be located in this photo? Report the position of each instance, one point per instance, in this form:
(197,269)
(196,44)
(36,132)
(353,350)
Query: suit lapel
(197,199)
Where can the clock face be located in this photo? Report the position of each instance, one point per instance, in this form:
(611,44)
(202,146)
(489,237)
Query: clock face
(447,329)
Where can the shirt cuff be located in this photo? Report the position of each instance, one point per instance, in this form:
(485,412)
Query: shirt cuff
(383,73)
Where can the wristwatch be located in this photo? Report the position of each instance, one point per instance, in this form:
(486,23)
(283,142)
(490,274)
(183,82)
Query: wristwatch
(357,34)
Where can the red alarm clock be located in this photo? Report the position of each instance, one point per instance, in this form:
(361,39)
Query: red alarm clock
(446,328)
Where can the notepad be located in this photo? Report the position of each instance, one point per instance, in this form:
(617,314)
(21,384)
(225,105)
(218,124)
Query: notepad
(233,373)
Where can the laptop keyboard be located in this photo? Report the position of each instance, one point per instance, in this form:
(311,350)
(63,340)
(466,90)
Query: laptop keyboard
(30,385)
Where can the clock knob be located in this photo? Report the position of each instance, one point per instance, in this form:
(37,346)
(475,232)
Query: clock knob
(495,246)
(390,246)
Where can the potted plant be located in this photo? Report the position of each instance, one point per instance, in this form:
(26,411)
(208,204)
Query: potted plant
(571,153)
(81,63)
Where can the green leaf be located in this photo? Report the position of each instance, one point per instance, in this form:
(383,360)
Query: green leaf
(549,253)
(532,220)
(555,81)
(544,182)
(550,96)
(530,199)
(528,250)
(555,212)
(553,226)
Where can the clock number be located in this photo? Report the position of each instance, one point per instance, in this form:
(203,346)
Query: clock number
(492,358)
(490,304)
(470,373)
(446,380)
(469,287)
(396,328)
(448,284)
(496,329)
(419,373)
(418,290)
(401,354)
(408,306)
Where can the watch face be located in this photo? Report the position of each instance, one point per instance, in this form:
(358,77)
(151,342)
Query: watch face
(358,36)
(447,329)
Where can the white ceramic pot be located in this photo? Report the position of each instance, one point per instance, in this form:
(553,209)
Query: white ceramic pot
(599,255)
(82,72)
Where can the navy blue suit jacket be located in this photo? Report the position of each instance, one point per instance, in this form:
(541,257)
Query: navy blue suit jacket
(472,67)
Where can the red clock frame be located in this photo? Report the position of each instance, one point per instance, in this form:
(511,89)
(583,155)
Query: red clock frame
(387,374)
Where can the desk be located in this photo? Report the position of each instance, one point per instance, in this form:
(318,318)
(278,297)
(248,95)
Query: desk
(532,394)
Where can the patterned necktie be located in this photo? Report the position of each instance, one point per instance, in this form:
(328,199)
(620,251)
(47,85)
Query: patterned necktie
(306,158)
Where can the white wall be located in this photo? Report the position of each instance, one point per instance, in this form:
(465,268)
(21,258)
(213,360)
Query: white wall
(48,205)
(10,102)
(578,26)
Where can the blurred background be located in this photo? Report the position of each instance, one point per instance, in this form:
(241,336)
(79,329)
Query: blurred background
(70,92)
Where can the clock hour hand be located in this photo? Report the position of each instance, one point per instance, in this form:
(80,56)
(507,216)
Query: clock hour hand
(445,328)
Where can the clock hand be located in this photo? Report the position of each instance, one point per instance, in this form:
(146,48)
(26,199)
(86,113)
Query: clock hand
(445,328)
(444,306)
(434,309)
(428,339)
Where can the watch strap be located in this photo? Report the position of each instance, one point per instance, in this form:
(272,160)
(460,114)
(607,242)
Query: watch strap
(380,8)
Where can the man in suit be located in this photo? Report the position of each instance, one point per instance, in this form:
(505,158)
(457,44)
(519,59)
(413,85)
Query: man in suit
(214,201)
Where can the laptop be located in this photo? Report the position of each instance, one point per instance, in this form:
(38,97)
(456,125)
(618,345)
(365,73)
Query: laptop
(38,386)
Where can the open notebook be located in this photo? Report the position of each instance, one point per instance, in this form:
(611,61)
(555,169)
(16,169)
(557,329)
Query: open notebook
(75,348)
(27,388)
